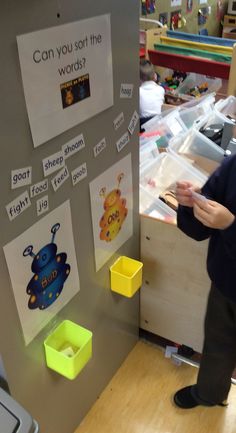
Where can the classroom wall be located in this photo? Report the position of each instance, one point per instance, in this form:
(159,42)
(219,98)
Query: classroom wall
(213,24)
(57,403)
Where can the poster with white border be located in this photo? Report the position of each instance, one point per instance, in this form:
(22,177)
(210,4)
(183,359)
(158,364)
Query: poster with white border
(175,3)
(111,196)
(43,269)
(67,75)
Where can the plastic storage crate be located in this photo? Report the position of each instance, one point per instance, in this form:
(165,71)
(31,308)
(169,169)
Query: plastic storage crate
(214,117)
(155,208)
(148,150)
(204,154)
(227,107)
(158,176)
(168,126)
(193,80)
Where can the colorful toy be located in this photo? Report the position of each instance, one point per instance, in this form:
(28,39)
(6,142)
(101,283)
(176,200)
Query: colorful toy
(173,81)
(198,90)
(115,212)
(51,271)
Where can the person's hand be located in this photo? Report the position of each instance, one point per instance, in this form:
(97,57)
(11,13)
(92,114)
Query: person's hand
(183,193)
(212,214)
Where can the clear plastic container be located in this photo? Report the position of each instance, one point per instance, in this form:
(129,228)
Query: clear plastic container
(154,207)
(194,110)
(214,117)
(168,126)
(201,152)
(193,80)
(227,107)
(208,101)
(148,150)
(162,174)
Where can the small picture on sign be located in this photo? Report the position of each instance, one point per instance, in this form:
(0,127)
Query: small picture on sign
(74,91)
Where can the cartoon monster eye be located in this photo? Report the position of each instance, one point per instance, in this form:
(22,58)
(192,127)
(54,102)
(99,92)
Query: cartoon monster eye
(55,228)
(28,251)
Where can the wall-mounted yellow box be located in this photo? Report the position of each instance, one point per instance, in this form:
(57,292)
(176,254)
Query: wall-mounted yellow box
(68,348)
(126,276)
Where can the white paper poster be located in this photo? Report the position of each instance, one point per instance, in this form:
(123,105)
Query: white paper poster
(43,269)
(67,75)
(111,196)
(175,3)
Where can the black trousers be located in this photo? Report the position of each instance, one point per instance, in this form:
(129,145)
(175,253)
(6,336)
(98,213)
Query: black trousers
(219,350)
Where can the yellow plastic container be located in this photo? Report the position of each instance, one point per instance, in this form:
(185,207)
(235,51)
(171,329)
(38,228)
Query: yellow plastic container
(126,276)
(68,349)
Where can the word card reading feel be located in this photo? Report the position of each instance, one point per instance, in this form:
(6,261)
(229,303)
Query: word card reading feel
(79,173)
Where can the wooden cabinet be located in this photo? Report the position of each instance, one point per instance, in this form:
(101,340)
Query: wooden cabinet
(175,283)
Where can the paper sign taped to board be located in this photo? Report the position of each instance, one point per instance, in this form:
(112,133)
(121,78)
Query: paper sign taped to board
(99,147)
(133,122)
(38,188)
(111,195)
(122,142)
(60,178)
(126,91)
(119,120)
(43,269)
(67,75)
(21,177)
(73,146)
(79,173)
(42,205)
(53,163)
(17,206)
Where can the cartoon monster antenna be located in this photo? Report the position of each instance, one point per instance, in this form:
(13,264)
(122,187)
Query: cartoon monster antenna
(54,229)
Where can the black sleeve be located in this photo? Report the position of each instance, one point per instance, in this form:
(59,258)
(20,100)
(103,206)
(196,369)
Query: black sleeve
(214,189)
(190,225)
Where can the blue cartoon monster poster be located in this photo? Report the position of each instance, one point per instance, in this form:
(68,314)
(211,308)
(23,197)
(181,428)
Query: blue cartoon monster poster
(43,270)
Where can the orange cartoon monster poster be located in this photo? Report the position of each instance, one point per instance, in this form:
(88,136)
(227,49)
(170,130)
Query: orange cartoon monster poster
(111,196)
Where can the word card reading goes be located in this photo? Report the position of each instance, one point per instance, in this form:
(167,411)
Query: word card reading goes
(79,174)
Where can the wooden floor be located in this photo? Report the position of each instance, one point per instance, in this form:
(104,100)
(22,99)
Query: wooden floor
(139,400)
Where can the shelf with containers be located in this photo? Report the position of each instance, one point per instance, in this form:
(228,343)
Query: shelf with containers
(175,282)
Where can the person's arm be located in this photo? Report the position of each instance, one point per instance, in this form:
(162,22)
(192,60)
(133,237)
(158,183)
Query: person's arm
(216,216)
(229,238)
(186,221)
(188,224)
(214,189)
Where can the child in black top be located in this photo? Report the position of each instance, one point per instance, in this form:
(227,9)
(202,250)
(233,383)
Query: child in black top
(214,218)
